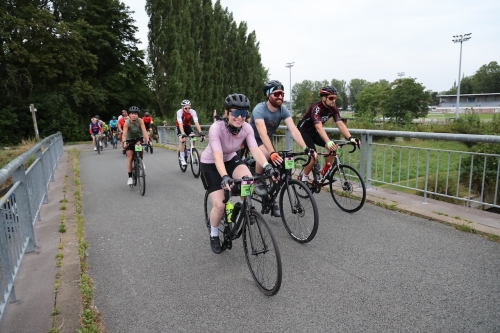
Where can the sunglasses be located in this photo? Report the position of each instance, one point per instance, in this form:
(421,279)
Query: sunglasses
(278,94)
(242,113)
(187,108)
(332,98)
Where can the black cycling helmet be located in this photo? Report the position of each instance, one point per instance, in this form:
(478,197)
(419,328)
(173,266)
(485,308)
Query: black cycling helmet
(96,116)
(328,90)
(271,86)
(134,109)
(146,114)
(237,101)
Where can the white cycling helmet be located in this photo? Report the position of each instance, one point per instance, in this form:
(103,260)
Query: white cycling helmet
(185,102)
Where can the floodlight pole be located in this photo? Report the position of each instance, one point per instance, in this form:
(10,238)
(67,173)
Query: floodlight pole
(460,39)
(290,65)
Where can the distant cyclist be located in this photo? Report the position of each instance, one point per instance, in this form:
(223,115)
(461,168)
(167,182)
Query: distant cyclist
(95,129)
(113,125)
(148,120)
(121,123)
(134,131)
(311,125)
(183,126)
(219,162)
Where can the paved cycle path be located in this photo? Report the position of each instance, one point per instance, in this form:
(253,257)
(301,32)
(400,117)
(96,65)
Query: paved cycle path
(372,271)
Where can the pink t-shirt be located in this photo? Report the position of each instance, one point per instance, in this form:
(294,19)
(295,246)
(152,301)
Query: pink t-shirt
(219,139)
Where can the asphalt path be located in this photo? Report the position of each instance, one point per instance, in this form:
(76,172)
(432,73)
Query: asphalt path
(372,271)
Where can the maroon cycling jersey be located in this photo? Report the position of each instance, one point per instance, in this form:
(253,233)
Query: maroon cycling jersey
(318,113)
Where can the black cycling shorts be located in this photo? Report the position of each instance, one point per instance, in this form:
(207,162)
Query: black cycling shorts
(131,144)
(312,138)
(187,129)
(210,176)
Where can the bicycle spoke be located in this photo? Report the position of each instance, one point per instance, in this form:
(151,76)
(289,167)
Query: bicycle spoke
(347,189)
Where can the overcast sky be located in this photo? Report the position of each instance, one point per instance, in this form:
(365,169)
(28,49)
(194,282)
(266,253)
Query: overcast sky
(365,39)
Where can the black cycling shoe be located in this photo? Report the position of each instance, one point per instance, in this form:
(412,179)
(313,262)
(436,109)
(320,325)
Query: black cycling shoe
(215,244)
(259,188)
(275,211)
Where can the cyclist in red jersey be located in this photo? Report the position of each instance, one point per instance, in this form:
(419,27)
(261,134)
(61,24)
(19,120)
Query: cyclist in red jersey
(311,125)
(148,120)
(121,122)
(183,126)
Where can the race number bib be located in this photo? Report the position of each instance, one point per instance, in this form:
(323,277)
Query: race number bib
(138,147)
(246,187)
(289,163)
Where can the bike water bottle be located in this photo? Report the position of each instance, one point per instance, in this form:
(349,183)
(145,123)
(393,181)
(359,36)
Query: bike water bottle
(325,168)
(236,211)
(229,211)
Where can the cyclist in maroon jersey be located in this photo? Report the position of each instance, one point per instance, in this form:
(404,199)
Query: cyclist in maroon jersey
(311,125)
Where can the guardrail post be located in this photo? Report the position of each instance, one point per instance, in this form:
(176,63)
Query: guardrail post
(426,175)
(362,155)
(369,146)
(39,156)
(288,140)
(24,208)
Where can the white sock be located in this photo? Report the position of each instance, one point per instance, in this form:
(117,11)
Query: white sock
(214,231)
(305,177)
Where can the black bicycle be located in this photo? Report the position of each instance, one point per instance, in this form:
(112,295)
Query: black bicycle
(138,173)
(346,184)
(98,143)
(299,212)
(259,244)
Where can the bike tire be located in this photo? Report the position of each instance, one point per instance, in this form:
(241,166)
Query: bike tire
(347,188)
(297,173)
(262,253)
(98,146)
(183,167)
(151,148)
(299,211)
(141,176)
(195,163)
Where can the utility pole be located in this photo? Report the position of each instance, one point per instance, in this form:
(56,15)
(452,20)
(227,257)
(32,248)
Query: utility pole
(290,65)
(33,110)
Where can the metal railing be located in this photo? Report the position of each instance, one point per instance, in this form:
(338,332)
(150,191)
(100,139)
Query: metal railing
(20,208)
(452,175)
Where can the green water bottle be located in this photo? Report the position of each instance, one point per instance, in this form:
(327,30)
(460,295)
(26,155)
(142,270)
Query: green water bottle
(229,211)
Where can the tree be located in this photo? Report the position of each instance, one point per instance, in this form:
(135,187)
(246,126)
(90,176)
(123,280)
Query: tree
(342,100)
(355,86)
(370,99)
(486,79)
(405,96)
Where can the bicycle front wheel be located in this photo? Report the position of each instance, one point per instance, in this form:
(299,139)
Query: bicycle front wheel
(141,176)
(195,163)
(347,188)
(262,253)
(183,167)
(98,146)
(299,211)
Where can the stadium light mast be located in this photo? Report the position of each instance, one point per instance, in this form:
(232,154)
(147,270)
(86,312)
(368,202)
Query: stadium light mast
(401,74)
(460,39)
(290,65)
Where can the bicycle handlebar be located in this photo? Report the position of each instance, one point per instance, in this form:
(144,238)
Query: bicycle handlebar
(227,193)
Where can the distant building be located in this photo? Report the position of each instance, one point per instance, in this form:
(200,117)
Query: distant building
(480,103)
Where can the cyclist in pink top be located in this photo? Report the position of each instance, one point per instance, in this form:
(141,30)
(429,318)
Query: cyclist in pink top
(219,162)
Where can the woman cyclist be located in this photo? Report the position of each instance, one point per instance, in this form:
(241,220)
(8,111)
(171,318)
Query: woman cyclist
(219,162)
(133,131)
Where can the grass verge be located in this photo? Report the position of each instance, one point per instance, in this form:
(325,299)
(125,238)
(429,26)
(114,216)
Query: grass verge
(90,318)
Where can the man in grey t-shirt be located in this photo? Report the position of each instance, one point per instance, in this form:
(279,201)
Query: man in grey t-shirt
(266,118)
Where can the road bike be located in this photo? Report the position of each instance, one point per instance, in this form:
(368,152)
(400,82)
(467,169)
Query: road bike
(191,156)
(299,212)
(138,173)
(98,144)
(114,140)
(346,184)
(259,244)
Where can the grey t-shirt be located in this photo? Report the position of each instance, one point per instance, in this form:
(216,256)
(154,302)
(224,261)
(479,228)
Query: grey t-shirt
(271,119)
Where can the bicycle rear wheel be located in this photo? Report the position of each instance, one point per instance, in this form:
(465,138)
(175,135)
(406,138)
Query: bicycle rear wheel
(299,211)
(98,146)
(183,167)
(141,176)
(262,253)
(151,148)
(347,188)
(195,163)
